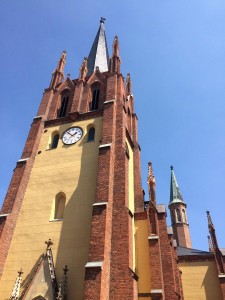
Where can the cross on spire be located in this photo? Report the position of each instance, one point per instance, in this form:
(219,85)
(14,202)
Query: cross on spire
(102,20)
(49,243)
(65,270)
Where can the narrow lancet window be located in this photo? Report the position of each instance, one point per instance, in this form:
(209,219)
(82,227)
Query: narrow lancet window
(63,108)
(95,99)
(184,216)
(60,201)
(55,141)
(91,134)
(178,215)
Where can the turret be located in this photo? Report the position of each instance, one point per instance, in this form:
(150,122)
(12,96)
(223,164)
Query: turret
(178,214)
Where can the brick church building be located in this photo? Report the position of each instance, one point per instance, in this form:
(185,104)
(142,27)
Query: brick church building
(74,224)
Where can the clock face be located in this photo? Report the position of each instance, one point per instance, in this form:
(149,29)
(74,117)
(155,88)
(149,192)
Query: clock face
(72,135)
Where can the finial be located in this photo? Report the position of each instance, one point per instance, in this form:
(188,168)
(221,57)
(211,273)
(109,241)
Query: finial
(62,294)
(83,69)
(102,20)
(150,171)
(210,223)
(65,270)
(49,243)
(62,58)
(57,75)
(151,183)
(128,84)
(171,168)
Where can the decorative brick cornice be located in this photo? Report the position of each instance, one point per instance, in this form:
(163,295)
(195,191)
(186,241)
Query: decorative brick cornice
(76,115)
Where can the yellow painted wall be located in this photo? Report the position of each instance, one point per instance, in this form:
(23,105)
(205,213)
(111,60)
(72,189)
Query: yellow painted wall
(142,257)
(200,281)
(71,170)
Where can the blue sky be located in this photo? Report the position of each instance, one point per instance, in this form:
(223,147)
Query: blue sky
(175,52)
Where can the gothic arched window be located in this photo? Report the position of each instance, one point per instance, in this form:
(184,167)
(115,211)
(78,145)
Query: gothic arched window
(60,201)
(178,215)
(91,134)
(184,216)
(95,97)
(63,108)
(55,141)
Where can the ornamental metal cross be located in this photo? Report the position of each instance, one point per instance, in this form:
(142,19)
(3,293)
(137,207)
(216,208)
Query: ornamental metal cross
(49,243)
(65,270)
(102,20)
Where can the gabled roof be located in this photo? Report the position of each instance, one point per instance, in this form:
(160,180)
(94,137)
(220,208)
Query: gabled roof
(183,251)
(42,280)
(98,56)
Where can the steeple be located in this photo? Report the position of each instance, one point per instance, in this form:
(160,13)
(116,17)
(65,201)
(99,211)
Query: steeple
(175,194)
(178,214)
(98,56)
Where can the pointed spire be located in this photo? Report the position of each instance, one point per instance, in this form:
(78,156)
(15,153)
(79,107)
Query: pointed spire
(98,56)
(116,46)
(151,183)
(212,231)
(62,62)
(16,290)
(83,69)
(57,75)
(213,244)
(62,294)
(128,85)
(175,194)
(115,59)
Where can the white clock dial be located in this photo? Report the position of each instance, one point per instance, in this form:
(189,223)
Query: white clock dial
(72,135)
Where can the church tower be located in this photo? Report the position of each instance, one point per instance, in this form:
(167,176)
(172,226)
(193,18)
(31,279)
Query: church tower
(68,217)
(178,214)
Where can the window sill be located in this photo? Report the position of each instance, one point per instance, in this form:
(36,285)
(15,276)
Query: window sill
(56,220)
